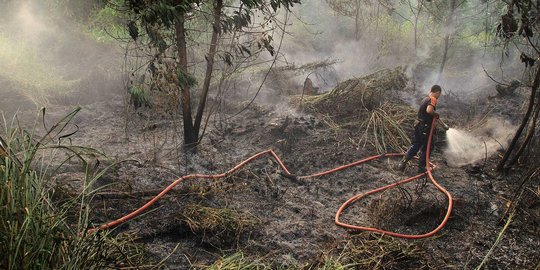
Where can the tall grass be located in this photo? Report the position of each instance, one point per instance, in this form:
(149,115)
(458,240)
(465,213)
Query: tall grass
(37,232)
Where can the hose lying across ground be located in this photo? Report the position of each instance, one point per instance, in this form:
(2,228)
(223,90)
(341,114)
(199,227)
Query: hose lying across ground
(345,205)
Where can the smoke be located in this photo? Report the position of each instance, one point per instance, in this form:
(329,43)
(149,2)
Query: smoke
(319,34)
(46,57)
(30,25)
(471,147)
(387,40)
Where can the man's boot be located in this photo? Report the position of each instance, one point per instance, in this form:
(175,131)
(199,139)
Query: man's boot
(422,164)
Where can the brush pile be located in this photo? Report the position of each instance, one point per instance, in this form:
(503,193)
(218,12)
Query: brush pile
(357,96)
(372,105)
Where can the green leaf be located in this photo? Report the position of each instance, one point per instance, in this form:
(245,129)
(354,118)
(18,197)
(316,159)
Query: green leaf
(185,80)
(138,94)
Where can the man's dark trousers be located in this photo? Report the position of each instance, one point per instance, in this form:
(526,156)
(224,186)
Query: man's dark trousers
(419,142)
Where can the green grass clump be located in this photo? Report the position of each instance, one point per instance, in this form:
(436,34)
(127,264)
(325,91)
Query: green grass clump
(139,97)
(37,232)
(108,23)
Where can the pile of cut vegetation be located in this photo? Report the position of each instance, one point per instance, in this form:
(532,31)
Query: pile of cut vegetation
(373,105)
(357,96)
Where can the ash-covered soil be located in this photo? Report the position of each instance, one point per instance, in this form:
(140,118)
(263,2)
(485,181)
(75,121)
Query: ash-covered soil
(289,222)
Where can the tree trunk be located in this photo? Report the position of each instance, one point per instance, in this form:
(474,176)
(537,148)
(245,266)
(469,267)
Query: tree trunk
(190,136)
(357,21)
(528,137)
(416,18)
(416,37)
(526,117)
(218,6)
(378,14)
(450,23)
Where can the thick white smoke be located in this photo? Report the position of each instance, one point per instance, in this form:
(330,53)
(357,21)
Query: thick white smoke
(472,147)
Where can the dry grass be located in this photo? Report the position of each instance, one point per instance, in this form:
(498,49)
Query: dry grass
(200,190)
(412,208)
(371,104)
(384,128)
(370,251)
(218,226)
(237,261)
(362,251)
(352,97)
(522,207)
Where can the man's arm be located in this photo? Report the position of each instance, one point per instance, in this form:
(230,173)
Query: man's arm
(430,109)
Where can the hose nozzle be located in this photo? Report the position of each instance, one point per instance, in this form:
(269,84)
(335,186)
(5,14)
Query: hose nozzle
(444,125)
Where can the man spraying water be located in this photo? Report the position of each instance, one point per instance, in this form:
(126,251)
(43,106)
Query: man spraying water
(426,112)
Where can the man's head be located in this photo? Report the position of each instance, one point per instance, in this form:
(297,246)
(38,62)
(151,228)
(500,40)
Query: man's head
(435,91)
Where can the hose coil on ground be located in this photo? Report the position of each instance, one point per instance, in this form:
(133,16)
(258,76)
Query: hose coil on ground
(345,205)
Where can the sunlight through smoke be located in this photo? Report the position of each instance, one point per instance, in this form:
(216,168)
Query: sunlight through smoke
(28,22)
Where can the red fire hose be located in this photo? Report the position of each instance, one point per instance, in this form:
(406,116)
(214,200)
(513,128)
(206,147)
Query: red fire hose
(349,202)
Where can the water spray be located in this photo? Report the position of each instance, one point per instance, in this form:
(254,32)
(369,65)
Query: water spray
(467,148)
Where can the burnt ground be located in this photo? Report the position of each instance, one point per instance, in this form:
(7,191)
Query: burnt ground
(291,221)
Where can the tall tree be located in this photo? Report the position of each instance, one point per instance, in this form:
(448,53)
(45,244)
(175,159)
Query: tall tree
(359,10)
(218,6)
(416,10)
(163,18)
(449,30)
(521,25)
